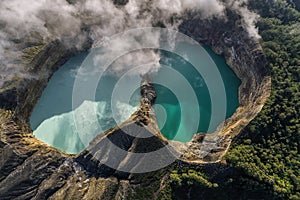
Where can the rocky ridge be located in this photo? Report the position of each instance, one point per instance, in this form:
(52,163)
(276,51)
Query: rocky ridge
(32,170)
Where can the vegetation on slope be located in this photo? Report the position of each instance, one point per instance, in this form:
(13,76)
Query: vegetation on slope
(264,162)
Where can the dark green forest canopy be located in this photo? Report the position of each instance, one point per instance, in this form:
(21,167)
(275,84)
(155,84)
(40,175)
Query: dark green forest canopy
(264,161)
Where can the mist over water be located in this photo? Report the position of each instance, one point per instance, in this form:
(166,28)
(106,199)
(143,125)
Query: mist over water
(68,127)
(51,20)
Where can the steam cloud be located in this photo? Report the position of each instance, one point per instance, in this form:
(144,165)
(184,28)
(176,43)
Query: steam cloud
(61,19)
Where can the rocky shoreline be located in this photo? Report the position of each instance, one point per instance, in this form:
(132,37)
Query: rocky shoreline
(31,169)
(245,57)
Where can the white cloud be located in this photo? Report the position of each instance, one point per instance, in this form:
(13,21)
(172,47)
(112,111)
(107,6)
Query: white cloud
(59,19)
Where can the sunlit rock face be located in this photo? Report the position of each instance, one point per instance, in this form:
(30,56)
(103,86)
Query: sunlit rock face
(56,122)
(32,169)
(244,55)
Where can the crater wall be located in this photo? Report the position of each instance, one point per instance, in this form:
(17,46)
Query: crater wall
(31,169)
(244,55)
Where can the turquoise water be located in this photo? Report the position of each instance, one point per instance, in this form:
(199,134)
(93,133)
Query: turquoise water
(55,119)
(70,125)
(179,126)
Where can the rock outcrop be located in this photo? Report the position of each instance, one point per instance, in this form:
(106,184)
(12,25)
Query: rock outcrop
(244,55)
(125,149)
(31,169)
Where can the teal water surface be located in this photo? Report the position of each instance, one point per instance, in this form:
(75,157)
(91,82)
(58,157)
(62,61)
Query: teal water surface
(179,126)
(58,122)
(55,119)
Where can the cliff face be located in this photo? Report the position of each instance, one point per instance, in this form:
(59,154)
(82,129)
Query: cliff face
(31,169)
(244,55)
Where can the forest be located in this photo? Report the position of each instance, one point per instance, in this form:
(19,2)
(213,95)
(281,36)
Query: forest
(264,161)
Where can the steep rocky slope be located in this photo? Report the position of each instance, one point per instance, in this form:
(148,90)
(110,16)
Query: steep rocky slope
(32,170)
(244,55)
